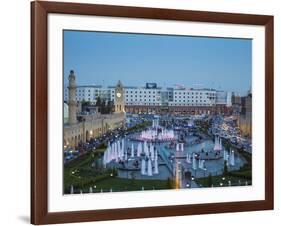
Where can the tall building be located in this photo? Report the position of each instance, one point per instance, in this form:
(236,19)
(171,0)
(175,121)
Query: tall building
(72,104)
(245,117)
(119,102)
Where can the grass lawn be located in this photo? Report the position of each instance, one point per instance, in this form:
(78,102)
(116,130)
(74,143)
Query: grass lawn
(80,174)
(237,178)
(123,184)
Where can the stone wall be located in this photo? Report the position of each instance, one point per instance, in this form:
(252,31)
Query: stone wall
(92,126)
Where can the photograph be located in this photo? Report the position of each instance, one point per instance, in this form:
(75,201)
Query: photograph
(144,112)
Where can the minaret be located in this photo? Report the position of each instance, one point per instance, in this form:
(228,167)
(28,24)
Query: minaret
(72,119)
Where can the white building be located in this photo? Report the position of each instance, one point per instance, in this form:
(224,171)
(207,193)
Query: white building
(223,97)
(89,93)
(193,97)
(151,95)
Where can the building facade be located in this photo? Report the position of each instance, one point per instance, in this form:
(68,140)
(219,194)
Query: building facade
(153,98)
(245,117)
(90,125)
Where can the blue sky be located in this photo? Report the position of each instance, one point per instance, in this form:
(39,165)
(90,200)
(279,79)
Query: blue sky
(103,58)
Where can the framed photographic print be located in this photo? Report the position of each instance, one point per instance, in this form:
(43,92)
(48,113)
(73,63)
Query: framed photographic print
(147,112)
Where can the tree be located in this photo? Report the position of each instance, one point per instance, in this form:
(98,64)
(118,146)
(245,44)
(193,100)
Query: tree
(109,107)
(225,168)
(102,107)
(210,180)
(98,102)
(170,183)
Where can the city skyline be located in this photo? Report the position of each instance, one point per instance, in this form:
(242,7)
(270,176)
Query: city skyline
(103,58)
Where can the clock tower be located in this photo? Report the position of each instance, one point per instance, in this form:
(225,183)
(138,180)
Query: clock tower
(119,98)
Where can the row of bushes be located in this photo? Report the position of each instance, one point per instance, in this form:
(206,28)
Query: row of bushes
(87,182)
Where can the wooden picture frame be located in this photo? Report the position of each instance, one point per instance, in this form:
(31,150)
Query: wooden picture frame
(39,111)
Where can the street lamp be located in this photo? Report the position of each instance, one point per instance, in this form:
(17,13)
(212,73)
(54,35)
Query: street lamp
(192,179)
(205,169)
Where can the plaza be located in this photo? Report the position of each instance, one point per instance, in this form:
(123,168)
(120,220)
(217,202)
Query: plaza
(125,151)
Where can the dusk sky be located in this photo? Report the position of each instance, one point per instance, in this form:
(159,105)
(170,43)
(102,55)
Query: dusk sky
(100,58)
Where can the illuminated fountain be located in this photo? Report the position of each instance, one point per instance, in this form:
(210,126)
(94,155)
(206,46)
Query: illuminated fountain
(188,158)
(114,151)
(149,168)
(225,155)
(218,144)
(152,135)
(151,152)
(155,123)
(194,166)
(180,147)
(139,149)
(229,157)
(232,158)
(132,151)
(145,153)
(143,167)
(155,166)
(190,123)
(201,164)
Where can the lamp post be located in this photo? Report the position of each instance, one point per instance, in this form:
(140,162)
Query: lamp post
(205,169)
(192,179)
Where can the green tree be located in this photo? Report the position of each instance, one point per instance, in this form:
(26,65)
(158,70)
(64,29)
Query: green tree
(98,102)
(103,107)
(170,183)
(225,168)
(210,180)
(109,107)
